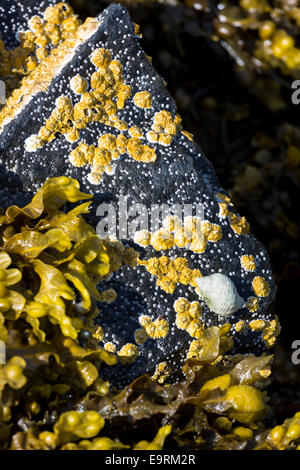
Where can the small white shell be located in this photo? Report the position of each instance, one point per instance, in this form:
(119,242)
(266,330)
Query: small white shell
(220,294)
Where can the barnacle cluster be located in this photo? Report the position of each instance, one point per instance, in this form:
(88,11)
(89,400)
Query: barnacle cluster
(238,223)
(188,316)
(158,328)
(100,101)
(164,127)
(170,272)
(193,234)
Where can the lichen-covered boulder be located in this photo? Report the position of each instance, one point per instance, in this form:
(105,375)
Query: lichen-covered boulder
(90,105)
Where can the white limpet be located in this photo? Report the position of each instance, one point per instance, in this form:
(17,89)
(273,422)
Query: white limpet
(219,293)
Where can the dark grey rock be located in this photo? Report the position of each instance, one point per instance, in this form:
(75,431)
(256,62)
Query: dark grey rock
(180,175)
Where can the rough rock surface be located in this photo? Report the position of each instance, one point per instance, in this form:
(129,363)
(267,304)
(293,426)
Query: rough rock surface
(52,125)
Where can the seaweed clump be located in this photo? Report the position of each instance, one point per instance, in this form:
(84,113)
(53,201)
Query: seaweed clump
(51,262)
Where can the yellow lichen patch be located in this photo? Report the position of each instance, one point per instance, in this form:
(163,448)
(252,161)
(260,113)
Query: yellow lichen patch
(248,262)
(162,372)
(40,78)
(172,223)
(128,353)
(82,155)
(100,157)
(95,176)
(78,84)
(252,304)
(110,347)
(212,232)
(202,232)
(181,305)
(140,336)
(60,120)
(57,14)
(123,93)
(135,132)
(194,234)
(118,255)
(225,199)
(188,316)
(143,99)
(257,325)
(164,127)
(194,350)
(98,334)
(188,135)
(240,326)
(142,237)
(238,224)
(223,209)
(271,331)
(156,329)
(260,286)
(43,35)
(140,152)
(108,94)
(137,30)
(162,239)
(170,272)
(101,58)
(107,142)
(108,296)
(183,237)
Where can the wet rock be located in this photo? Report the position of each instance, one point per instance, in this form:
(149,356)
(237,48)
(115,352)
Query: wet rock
(96,110)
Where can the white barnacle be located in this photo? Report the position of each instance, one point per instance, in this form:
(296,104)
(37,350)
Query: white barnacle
(33,143)
(110,169)
(219,293)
